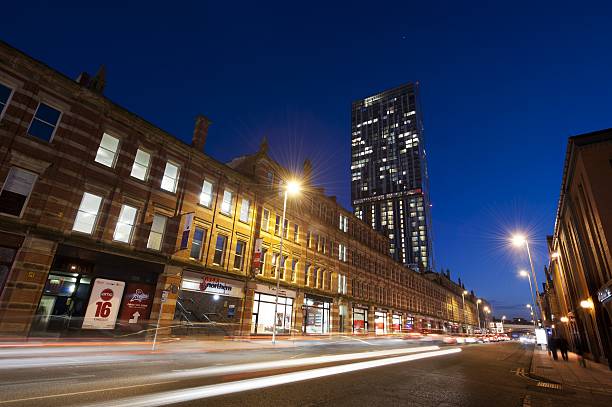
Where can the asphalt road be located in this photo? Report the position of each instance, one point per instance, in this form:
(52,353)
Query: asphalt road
(314,373)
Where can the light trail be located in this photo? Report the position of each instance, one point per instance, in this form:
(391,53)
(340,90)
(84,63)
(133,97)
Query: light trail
(196,393)
(287,363)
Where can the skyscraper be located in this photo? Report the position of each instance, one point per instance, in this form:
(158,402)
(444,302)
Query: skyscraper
(389,184)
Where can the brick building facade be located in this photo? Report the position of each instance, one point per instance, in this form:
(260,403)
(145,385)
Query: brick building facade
(103,216)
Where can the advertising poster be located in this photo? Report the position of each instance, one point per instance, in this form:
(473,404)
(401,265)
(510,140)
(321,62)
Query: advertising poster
(103,305)
(137,302)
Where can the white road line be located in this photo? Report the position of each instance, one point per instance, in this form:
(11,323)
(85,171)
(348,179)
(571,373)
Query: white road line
(360,340)
(196,393)
(287,363)
(83,392)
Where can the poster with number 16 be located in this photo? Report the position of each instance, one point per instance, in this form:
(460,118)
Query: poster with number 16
(104,303)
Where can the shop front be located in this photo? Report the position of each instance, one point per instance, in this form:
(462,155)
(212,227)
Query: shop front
(380,322)
(92,293)
(360,319)
(208,304)
(317,315)
(409,324)
(396,322)
(263,318)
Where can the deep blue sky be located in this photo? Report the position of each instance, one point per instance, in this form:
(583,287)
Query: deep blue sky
(502,87)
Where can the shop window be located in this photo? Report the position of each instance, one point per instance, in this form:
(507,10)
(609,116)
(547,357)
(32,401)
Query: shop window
(140,168)
(170,178)
(264,320)
(206,195)
(156,235)
(265,220)
(220,245)
(294,268)
(45,122)
(107,151)
(5,96)
(197,243)
(239,254)
(16,191)
(316,316)
(226,204)
(125,224)
(87,214)
(244,210)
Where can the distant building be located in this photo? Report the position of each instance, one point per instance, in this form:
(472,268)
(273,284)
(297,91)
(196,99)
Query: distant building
(579,274)
(389,183)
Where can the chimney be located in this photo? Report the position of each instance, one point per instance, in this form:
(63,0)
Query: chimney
(200,132)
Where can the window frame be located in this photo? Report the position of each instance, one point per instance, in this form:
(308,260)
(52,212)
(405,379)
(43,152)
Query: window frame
(201,251)
(248,211)
(176,180)
(267,227)
(115,153)
(223,250)
(163,233)
(231,203)
(212,193)
(27,200)
(148,170)
(59,119)
(8,100)
(240,255)
(97,217)
(132,226)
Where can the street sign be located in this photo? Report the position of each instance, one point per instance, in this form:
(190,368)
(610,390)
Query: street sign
(164,296)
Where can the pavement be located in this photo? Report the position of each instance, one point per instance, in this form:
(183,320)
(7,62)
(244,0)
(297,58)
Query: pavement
(595,378)
(338,371)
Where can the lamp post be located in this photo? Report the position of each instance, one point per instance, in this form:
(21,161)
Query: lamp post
(292,187)
(532,316)
(463,294)
(478,301)
(487,311)
(519,241)
(524,273)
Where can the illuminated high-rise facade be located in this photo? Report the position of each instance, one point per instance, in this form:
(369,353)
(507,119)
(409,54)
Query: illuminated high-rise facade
(389,187)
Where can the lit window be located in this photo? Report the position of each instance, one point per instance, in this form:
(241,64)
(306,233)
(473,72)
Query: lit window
(170,178)
(125,224)
(239,254)
(277,225)
(244,210)
(265,220)
(219,256)
(296,232)
(197,243)
(5,95)
(45,122)
(226,205)
(87,213)
(107,151)
(157,232)
(16,191)
(294,264)
(140,168)
(207,193)
(281,267)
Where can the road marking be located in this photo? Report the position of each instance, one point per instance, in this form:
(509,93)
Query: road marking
(196,393)
(547,385)
(295,356)
(360,340)
(84,392)
(287,363)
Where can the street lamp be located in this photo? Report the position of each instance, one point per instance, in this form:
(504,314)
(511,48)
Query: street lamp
(478,313)
(587,304)
(524,273)
(463,294)
(520,241)
(531,313)
(291,188)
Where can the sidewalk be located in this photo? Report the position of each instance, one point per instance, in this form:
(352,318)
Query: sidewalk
(596,377)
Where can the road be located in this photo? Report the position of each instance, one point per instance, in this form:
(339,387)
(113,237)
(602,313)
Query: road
(339,372)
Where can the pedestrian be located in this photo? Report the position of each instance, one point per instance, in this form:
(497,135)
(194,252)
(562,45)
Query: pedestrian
(563,347)
(553,347)
(580,352)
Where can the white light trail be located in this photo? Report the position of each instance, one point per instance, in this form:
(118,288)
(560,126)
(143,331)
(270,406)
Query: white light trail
(196,393)
(287,363)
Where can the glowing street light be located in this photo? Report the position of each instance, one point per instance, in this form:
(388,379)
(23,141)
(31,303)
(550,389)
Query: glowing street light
(587,304)
(520,240)
(292,187)
(564,319)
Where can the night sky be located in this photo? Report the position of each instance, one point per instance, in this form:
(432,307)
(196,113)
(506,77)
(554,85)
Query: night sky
(502,88)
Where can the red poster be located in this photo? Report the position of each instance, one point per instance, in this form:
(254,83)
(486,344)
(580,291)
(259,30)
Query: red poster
(137,301)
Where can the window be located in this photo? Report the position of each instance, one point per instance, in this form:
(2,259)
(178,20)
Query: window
(125,224)
(264,256)
(226,205)
(5,95)
(244,210)
(197,243)
(277,225)
(157,232)
(342,285)
(306,274)
(294,263)
(265,220)
(45,122)
(219,256)
(207,193)
(274,264)
(308,240)
(286,228)
(281,267)
(88,213)
(341,252)
(343,223)
(296,232)
(170,178)
(239,254)
(107,151)
(16,191)
(140,168)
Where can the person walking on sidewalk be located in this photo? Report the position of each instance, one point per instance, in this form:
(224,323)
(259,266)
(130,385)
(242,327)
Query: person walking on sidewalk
(580,352)
(563,347)
(553,347)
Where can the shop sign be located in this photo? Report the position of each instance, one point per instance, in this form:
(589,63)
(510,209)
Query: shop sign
(103,304)
(257,254)
(270,289)
(358,305)
(212,285)
(605,294)
(137,302)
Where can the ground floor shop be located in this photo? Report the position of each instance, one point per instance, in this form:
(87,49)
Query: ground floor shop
(267,311)
(316,312)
